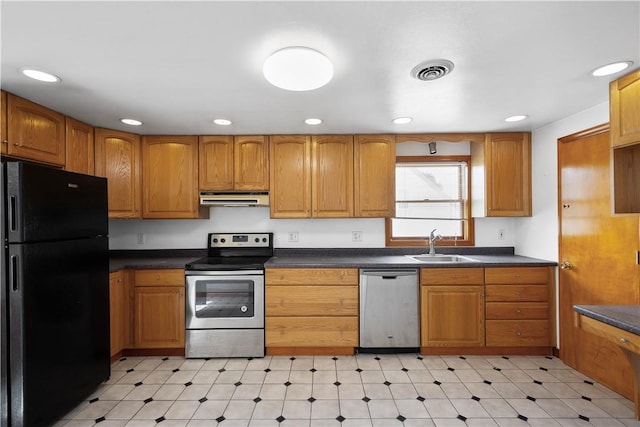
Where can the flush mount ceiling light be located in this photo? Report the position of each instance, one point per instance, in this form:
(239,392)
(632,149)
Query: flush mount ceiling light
(516,118)
(298,68)
(607,70)
(222,122)
(131,122)
(432,70)
(402,120)
(39,75)
(313,122)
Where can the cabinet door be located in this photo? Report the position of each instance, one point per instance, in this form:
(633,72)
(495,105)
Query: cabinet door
(3,123)
(290,172)
(35,132)
(170,177)
(159,317)
(332,176)
(508,174)
(117,314)
(117,158)
(452,316)
(374,175)
(251,163)
(624,106)
(216,162)
(79,147)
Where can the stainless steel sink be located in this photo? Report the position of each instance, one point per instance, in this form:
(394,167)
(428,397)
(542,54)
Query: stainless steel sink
(441,259)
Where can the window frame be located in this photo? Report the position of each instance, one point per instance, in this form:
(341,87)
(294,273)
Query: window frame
(468,225)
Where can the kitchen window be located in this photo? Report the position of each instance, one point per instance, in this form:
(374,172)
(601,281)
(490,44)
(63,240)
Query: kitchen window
(431,192)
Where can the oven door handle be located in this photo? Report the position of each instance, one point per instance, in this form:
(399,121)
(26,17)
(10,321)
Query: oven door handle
(224,273)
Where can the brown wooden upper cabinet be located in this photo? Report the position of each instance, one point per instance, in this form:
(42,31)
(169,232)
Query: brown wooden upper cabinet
(170,177)
(3,123)
(79,147)
(312,176)
(501,175)
(117,158)
(231,163)
(34,132)
(290,176)
(624,105)
(332,176)
(374,175)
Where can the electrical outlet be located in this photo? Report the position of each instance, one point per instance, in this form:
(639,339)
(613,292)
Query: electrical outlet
(501,234)
(140,238)
(356,236)
(292,236)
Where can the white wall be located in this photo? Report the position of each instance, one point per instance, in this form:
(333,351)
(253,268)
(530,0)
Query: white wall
(537,236)
(312,233)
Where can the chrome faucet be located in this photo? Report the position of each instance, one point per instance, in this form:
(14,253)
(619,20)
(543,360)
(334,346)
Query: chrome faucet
(432,241)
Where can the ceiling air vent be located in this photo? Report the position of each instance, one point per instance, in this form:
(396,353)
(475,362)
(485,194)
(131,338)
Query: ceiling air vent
(432,70)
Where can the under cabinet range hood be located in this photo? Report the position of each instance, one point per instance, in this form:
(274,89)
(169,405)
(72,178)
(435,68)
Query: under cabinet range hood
(229,198)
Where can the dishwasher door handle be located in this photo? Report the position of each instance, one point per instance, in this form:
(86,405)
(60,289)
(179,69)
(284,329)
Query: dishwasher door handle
(389,274)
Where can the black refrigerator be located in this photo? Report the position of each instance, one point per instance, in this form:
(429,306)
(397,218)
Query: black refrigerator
(54,312)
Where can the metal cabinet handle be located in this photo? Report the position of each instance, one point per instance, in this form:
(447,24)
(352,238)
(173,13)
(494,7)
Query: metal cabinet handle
(518,275)
(518,334)
(454,276)
(517,292)
(566,265)
(17,144)
(517,311)
(624,340)
(4,141)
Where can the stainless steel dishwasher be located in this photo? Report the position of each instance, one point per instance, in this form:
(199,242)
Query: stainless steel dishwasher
(389,316)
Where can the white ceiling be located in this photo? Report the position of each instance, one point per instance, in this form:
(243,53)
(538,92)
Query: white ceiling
(178,65)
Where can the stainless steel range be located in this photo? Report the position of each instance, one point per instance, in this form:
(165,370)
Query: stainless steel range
(225,297)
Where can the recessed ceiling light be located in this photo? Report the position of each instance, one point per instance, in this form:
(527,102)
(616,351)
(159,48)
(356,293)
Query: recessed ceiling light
(607,70)
(222,122)
(516,118)
(131,122)
(402,120)
(298,68)
(40,75)
(313,122)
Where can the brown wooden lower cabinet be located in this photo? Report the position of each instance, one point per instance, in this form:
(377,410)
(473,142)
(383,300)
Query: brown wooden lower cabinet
(487,310)
(309,311)
(159,308)
(117,299)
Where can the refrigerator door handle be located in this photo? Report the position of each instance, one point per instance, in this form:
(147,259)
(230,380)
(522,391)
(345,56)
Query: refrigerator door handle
(12,213)
(13,272)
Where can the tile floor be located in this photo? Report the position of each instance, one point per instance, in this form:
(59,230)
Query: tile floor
(363,390)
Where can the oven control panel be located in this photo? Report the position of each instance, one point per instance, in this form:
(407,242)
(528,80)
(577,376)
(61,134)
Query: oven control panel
(247,240)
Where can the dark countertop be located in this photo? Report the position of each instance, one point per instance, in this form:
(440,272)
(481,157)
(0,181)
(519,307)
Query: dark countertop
(336,258)
(152,259)
(625,317)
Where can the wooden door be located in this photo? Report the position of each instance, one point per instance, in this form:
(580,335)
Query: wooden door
(624,106)
(374,175)
(452,316)
(170,177)
(216,162)
(290,176)
(159,317)
(117,158)
(332,176)
(601,250)
(79,147)
(35,132)
(3,123)
(508,174)
(251,163)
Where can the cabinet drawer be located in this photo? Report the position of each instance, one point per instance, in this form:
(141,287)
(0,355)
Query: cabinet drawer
(311,331)
(159,277)
(625,339)
(517,310)
(501,333)
(311,276)
(516,275)
(517,293)
(311,300)
(451,276)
